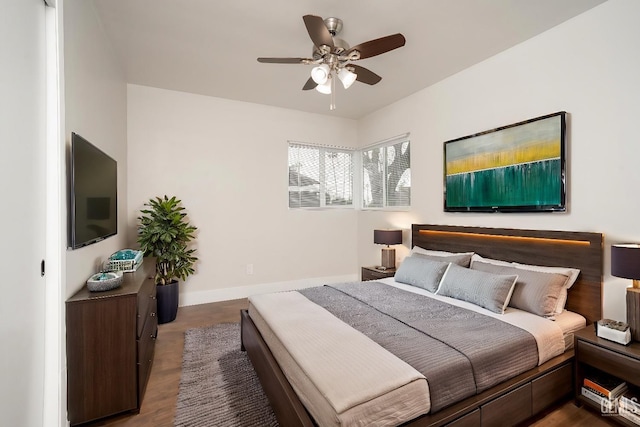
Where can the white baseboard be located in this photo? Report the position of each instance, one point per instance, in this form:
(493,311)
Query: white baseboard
(226,294)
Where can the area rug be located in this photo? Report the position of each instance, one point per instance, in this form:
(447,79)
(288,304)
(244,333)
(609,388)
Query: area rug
(218,386)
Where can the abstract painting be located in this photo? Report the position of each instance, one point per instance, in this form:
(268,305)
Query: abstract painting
(515,168)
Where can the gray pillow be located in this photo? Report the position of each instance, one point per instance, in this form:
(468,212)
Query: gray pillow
(487,290)
(462,260)
(535,291)
(421,272)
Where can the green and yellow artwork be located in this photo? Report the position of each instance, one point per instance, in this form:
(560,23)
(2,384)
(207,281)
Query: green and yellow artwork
(512,168)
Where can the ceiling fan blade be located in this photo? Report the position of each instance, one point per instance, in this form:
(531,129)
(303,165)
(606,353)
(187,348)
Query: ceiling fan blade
(318,32)
(283,60)
(364,75)
(310,84)
(378,46)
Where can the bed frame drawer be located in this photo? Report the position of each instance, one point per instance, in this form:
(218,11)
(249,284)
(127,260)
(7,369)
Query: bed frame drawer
(551,387)
(508,410)
(472,419)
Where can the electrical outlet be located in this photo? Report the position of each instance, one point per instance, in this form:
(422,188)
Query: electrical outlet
(249,268)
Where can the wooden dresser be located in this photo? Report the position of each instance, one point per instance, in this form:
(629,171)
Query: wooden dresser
(110,346)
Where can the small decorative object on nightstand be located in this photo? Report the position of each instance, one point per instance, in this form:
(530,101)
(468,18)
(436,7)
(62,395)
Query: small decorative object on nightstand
(375,273)
(625,262)
(388,237)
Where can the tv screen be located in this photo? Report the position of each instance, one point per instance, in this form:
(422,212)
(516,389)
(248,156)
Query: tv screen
(514,168)
(93,194)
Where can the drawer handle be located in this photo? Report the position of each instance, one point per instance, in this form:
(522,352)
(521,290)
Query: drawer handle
(152,296)
(153,314)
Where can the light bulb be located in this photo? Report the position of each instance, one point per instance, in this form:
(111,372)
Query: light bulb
(347,77)
(325,87)
(320,74)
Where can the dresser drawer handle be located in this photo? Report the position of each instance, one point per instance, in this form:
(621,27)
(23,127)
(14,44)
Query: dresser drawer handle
(153,314)
(152,296)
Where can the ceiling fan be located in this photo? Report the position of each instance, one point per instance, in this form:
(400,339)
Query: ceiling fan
(332,56)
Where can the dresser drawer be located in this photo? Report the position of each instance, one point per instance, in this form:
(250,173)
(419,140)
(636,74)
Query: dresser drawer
(146,342)
(146,350)
(146,303)
(621,366)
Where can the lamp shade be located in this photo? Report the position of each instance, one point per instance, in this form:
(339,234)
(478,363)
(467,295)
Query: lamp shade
(387,237)
(346,77)
(325,88)
(625,260)
(320,74)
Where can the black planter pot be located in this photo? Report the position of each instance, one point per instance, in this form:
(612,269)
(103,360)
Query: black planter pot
(168,296)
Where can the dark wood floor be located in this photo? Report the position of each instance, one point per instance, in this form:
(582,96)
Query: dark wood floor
(159,404)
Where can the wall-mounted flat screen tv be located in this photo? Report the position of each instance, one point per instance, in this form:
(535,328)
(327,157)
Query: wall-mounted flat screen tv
(93,210)
(515,168)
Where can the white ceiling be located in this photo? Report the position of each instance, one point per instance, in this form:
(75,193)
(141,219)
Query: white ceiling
(210,47)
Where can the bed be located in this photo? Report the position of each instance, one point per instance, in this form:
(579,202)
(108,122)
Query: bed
(501,401)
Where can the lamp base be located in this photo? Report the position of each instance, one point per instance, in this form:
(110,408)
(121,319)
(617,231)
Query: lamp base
(633,312)
(388,257)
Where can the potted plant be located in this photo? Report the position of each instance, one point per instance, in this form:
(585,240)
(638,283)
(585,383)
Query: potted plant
(165,233)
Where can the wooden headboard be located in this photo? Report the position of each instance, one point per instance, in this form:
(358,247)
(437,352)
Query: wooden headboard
(537,247)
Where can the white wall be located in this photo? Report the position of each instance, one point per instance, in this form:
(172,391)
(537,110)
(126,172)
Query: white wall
(588,67)
(22,173)
(96,108)
(227,162)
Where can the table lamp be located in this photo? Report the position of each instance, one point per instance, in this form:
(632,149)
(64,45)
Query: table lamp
(625,262)
(388,237)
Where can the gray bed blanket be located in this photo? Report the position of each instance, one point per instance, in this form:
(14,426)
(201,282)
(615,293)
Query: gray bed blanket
(459,351)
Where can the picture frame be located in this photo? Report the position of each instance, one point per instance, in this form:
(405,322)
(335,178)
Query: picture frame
(516,168)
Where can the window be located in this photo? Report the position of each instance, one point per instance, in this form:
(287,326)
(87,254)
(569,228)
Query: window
(320,176)
(386,175)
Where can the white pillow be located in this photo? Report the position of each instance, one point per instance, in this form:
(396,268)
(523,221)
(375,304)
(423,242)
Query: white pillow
(478,258)
(419,250)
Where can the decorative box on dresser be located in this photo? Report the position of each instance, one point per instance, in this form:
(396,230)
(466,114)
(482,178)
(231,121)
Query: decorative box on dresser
(110,346)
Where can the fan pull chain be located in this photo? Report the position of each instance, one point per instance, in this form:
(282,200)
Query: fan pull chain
(332,105)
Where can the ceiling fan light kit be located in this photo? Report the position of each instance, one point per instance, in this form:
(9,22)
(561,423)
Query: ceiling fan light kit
(347,77)
(320,74)
(332,56)
(325,88)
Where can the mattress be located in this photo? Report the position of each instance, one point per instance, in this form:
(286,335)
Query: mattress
(372,385)
(400,401)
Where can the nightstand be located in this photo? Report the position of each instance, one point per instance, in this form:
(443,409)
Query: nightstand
(372,273)
(607,356)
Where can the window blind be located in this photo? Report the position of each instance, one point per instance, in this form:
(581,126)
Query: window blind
(320,176)
(386,174)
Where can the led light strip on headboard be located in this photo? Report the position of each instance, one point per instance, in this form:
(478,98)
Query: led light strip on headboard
(509,238)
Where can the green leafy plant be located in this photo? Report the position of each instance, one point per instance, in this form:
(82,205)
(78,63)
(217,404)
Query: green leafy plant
(164,233)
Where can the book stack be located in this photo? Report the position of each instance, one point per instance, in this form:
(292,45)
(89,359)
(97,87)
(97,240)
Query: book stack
(629,405)
(604,390)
